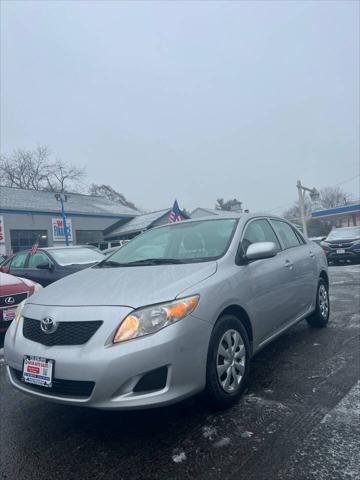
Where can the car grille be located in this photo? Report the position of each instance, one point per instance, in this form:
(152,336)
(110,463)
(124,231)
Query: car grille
(67,333)
(66,388)
(19,297)
(339,245)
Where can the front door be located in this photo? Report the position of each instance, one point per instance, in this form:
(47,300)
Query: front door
(271,282)
(40,275)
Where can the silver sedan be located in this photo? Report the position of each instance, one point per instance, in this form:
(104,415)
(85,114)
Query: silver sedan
(180,309)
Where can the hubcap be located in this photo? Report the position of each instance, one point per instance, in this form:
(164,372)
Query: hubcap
(230,360)
(323,301)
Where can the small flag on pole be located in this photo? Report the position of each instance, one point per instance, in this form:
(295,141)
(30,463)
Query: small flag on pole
(175,214)
(34,248)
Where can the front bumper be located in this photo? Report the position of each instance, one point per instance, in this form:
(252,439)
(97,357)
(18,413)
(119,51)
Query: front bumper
(348,255)
(115,369)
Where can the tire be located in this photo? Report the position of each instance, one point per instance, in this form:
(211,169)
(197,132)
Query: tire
(320,317)
(220,395)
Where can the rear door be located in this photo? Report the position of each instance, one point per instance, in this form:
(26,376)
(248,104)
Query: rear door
(302,263)
(18,264)
(272,299)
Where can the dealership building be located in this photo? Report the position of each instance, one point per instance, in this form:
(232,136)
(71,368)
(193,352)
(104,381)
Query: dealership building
(344,216)
(29,216)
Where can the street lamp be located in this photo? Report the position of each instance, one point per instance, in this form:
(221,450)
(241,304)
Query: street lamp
(61,197)
(315,197)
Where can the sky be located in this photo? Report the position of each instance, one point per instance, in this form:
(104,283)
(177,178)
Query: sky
(194,100)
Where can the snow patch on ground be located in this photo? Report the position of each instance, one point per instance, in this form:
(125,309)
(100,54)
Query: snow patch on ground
(246,434)
(179,457)
(209,431)
(223,442)
(346,321)
(265,402)
(331,451)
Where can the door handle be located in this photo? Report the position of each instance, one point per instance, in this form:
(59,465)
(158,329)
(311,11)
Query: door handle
(312,254)
(289,265)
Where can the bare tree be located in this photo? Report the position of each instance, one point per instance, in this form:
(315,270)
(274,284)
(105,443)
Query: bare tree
(332,197)
(63,175)
(228,205)
(108,192)
(293,214)
(35,170)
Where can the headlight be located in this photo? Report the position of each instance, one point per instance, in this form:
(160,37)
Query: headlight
(37,287)
(19,311)
(151,319)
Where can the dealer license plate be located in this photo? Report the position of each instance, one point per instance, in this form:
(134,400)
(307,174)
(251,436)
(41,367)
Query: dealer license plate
(9,315)
(340,250)
(38,370)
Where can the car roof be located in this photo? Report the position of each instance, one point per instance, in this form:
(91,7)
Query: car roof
(228,216)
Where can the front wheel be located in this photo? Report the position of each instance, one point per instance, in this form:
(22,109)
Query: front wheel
(320,317)
(227,362)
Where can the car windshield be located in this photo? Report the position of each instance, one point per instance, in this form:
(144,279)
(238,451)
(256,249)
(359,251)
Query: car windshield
(341,233)
(79,256)
(183,242)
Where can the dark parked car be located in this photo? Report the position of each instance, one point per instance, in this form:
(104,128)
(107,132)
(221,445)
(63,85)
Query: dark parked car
(47,265)
(342,245)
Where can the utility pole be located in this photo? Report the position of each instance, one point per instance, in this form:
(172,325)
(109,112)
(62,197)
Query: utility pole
(314,195)
(61,197)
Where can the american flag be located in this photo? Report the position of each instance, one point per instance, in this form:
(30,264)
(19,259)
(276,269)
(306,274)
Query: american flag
(175,214)
(34,248)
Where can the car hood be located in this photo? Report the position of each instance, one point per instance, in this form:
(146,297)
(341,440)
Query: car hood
(126,286)
(342,240)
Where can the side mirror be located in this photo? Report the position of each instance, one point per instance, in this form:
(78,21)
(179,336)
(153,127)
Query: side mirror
(260,250)
(44,266)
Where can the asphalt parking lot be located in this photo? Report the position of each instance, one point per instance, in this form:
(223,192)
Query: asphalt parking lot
(298,419)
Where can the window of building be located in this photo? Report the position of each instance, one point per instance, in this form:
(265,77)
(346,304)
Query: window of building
(83,237)
(286,233)
(25,239)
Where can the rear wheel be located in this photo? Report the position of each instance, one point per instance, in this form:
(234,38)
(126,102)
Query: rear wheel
(227,362)
(321,315)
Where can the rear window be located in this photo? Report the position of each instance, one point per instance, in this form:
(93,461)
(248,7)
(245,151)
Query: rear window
(286,234)
(76,256)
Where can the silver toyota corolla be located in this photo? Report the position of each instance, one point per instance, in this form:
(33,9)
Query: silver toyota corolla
(180,309)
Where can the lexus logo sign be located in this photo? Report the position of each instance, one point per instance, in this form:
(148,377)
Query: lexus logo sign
(9,300)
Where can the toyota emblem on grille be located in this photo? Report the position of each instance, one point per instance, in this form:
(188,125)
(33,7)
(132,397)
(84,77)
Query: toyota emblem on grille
(9,300)
(48,325)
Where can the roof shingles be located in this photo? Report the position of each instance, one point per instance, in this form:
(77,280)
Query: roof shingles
(40,201)
(137,224)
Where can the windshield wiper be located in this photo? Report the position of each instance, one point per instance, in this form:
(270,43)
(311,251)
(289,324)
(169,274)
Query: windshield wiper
(108,263)
(135,263)
(153,261)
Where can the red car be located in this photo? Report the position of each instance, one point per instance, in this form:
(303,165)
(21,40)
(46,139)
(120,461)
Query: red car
(13,290)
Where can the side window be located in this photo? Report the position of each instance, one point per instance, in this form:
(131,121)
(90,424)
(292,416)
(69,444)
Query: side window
(19,260)
(259,231)
(36,259)
(286,233)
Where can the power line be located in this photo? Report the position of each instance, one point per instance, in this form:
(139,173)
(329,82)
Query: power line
(348,180)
